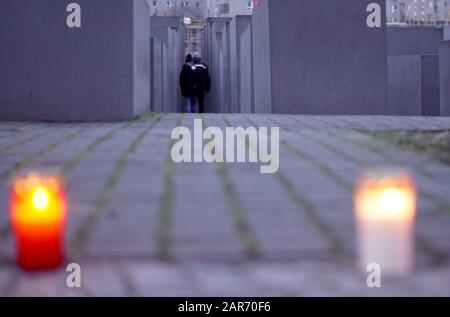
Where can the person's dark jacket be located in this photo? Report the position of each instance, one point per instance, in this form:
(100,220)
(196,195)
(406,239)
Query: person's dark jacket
(195,79)
(186,80)
(202,81)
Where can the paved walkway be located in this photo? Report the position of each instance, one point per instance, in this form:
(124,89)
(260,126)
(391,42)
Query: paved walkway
(142,225)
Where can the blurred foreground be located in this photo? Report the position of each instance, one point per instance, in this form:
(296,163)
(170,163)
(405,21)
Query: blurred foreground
(141,225)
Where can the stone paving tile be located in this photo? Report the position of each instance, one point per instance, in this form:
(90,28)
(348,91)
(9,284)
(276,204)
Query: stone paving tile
(45,284)
(126,229)
(337,169)
(24,158)
(7,278)
(292,233)
(381,155)
(105,278)
(160,279)
(10,137)
(108,156)
(65,152)
(303,278)
(208,231)
(4,203)
(7,249)
(157,228)
(34,149)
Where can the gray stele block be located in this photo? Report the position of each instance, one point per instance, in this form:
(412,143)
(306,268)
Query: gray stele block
(217,47)
(413,82)
(167,42)
(319,57)
(447,33)
(241,65)
(414,40)
(444,66)
(50,72)
(156,74)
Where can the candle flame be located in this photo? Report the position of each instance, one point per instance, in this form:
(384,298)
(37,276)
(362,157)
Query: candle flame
(386,197)
(38,199)
(41,198)
(392,200)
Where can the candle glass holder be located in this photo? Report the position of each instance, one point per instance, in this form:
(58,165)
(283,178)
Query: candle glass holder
(38,207)
(385,211)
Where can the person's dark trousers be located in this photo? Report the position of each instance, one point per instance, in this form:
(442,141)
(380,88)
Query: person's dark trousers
(201,103)
(189,104)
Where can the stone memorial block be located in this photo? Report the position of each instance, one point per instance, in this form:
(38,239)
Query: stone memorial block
(444,67)
(241,65)
(413,82)
(414,40)
(83,60)
(156,74)
(430,85)
(218,57)
(168,59)
(320,57)
(447,33)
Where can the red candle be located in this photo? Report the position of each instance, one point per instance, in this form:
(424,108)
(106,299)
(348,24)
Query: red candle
(38,216)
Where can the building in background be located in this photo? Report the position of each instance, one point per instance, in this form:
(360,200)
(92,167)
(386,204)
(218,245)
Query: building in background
(230,8)
(418,12)
(200,9)
(195,30)
(194,12)
(195,8)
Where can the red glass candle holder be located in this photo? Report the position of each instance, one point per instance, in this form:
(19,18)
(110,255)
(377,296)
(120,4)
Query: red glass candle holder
(38,216)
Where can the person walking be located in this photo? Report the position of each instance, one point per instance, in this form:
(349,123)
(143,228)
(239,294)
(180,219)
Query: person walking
(195,83)
(201,82)
(186,84)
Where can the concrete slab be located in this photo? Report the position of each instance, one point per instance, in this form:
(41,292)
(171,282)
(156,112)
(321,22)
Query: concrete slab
(52,72)
(414,40)
(241,65)
(413,82)
(337,66)
(444,66)
(122,185)
(218,58)
(447,33)
(168,57)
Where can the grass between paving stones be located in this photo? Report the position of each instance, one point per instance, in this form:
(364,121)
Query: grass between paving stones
(247,237)
(73,162)
(412,124)
(145,116)
(29,158)
(435,144)
(439,203)
(308,126)
(422,242)
(436,125)
(356,126)
(5,230)
(338,180)
(304,205)
(82,235)
(323,144)
(25,141)
(163,231)
(355,159)
(376,150)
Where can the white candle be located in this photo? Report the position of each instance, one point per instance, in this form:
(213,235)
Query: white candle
(385,208)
